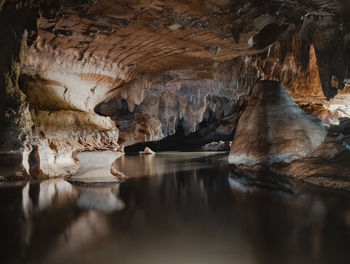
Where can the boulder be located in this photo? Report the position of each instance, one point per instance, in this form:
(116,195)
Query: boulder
(147,151)
(273,128)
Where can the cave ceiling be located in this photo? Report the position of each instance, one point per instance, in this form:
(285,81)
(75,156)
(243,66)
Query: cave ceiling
(94,47)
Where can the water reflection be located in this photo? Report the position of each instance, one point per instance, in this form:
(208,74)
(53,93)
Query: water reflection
(174,209)
(160,164)
(103,198)
(248,182)
(83,234)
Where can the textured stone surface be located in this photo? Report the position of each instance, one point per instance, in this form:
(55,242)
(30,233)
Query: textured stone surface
(15,121)
(274,129)
(154,107)
(327,166)
(310,59)
(60,134)
(95,168)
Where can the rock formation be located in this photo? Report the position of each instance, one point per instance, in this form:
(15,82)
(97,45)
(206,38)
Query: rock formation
(273,128)
(147,151)
(95,168)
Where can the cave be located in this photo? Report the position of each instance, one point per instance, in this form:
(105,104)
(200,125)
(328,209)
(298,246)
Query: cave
(174,131)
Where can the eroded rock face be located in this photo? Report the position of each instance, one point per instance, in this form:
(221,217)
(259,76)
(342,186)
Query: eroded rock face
(58,135)
(273,128)
(153,107)
(106,44)
(15,121)
(311,60)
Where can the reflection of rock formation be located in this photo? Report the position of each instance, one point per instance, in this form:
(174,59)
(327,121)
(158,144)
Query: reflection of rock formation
(54,192)
(42,195)
(163,163)
(192,215)
(34,207)
(95,167)
(100,198)
(85,233)
(251,181)
(43,219)
(274,233)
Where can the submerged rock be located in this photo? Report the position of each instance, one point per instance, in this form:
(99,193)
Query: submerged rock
(95,167)
(274,129)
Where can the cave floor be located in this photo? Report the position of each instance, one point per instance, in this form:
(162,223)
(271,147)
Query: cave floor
(176,207)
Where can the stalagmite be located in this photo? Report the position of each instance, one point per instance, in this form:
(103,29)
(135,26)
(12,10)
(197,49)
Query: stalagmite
(274,129)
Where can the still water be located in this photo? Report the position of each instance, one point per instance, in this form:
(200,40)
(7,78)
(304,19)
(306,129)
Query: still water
(175,208)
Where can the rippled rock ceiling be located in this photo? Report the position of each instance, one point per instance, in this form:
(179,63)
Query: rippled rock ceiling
(99,75)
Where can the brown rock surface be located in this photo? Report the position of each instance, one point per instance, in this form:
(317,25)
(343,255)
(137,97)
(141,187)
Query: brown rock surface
(60,134)
(274,129)
(327,166)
